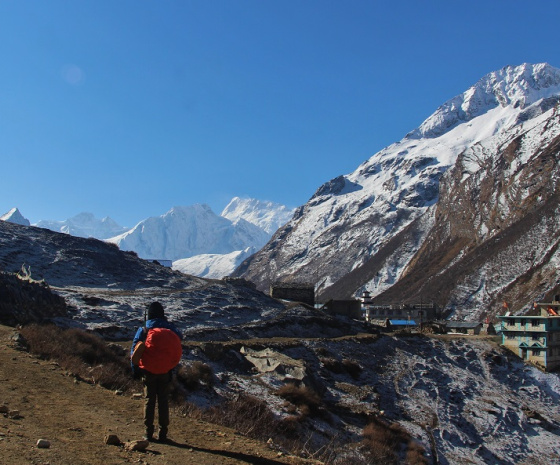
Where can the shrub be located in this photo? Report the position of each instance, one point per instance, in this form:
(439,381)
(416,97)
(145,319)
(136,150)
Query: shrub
(352,367)
(83,354)
(305,398)
(384,442)
(246,414)
(415,455)
(192,375)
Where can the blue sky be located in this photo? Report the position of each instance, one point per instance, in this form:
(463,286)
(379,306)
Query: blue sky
(128,108)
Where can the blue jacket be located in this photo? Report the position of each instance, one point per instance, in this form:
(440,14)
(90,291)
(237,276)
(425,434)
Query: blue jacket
(150,324)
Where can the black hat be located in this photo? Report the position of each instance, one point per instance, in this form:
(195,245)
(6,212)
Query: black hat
(155,310)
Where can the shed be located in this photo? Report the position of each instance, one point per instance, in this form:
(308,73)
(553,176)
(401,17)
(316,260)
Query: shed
(464,327)
(296,292)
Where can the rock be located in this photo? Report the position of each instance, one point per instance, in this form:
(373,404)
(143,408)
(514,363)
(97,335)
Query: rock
(14,414)
(112,440)
(4,409)
(137,445)
(43,444)
(19,341)
(271,361)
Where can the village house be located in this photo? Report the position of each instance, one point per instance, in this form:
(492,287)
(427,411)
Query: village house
(420,312)
(296,292)
(464,327)
(535,337)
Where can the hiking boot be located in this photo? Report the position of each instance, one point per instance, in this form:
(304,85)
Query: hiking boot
(149,436)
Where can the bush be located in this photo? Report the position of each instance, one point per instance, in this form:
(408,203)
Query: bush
(384,442)
(246,414)
(83,354)
(305,398)
(352,367)
(191,376)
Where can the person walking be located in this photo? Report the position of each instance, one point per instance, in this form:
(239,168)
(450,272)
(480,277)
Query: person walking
(158,345)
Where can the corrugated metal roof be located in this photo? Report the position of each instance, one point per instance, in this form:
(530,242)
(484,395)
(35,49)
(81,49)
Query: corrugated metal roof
(402,322)
(462,324)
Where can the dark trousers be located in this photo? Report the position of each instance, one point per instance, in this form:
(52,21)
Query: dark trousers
(156,388)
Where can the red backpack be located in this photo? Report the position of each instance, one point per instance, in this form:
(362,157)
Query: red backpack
(163,351)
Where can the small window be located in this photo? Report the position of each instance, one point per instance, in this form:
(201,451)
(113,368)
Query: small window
(536,352)
(511,322)
(536,322)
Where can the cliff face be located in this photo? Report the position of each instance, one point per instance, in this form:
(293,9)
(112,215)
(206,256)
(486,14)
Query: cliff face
(495,234)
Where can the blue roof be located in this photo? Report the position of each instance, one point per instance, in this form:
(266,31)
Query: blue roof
(402,322)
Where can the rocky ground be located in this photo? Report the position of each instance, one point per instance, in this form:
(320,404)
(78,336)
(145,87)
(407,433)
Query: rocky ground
(43,402)
(464,400)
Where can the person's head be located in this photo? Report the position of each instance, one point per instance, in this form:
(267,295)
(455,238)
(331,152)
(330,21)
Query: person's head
(155,310)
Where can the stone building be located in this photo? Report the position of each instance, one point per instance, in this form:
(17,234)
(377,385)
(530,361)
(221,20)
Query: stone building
(420,312)
(297,292)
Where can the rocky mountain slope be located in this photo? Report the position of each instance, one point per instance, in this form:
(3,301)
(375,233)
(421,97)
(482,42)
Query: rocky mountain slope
(429,218)
(461,400)
(107,289)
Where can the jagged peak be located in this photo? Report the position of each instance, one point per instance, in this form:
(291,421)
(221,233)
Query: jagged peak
(15,216)
(518,86)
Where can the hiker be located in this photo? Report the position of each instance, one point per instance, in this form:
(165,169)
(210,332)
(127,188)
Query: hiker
(156,358)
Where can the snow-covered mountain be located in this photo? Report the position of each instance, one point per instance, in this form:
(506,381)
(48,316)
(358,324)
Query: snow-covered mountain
(214,266)
(85,225)
(369,229)
(220,243)
(184,232)
(15,216)
(268,215)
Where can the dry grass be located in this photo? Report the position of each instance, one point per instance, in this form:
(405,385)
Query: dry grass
(191,376)
(386,443)
(83,354)
(246,414)
(305,398)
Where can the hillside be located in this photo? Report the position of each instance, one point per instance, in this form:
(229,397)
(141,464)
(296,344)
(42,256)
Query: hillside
(341,389)
(76,416)
(460,212)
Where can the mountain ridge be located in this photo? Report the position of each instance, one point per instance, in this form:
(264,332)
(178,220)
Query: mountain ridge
(353,218)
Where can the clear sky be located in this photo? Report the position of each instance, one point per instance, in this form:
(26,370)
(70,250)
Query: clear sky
(128,108)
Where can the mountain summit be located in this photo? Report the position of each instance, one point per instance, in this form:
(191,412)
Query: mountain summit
(517,87)
(183,232)
(370,229)
(15,216)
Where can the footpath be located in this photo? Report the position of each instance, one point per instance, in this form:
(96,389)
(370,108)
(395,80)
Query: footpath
(38,400)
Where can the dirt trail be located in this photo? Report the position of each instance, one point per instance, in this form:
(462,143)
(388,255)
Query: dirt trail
(75,417)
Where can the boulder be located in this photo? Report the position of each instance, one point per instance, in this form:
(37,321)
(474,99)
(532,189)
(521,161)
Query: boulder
(141,445)
(270,361)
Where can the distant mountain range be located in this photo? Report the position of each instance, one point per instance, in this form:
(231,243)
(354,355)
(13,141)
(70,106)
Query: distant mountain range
(462,212)
(85,225)
(201,242)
